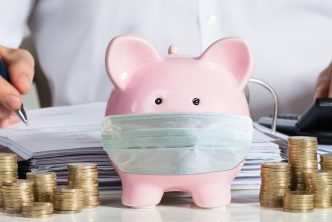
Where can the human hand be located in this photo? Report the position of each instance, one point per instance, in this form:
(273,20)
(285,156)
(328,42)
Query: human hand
(324,83)
(20,66)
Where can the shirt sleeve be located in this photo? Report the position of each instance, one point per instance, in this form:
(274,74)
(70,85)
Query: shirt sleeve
(13,21)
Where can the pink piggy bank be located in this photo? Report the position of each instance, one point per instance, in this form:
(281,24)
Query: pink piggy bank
(146,83)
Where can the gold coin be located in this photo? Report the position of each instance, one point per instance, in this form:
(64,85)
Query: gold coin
(36,206)
(277,165)
(302,138)
(65,189)
(27,215)
(67,211)
(82,165)
(5,156)
(19,182)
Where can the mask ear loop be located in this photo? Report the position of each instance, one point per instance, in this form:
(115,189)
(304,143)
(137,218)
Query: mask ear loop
(275,99)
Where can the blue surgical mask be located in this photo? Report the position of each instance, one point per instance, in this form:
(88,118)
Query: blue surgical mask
(176,143)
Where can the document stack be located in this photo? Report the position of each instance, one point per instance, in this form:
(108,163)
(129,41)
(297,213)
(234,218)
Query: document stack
(282,141)
(60,135)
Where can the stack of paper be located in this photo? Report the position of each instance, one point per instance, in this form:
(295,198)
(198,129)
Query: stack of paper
(263,150)
(60,135)
(282,141)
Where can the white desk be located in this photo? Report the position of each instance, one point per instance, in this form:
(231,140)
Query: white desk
(244,207)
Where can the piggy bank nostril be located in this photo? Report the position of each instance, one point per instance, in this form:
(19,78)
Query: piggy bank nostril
(158,101)
(196,101)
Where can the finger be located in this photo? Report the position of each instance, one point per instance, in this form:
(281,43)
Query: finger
(20,65)
(4,113)
(321,93)
(329,73)
(11,120)
(322,88)
(10,98)
(322,84)
(329,91)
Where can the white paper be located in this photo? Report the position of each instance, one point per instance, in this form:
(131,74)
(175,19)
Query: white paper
(54,129)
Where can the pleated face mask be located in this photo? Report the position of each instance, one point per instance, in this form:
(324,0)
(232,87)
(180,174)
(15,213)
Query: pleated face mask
(176,143)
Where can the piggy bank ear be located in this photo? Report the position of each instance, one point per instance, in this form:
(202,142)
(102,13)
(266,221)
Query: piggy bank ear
(124,54)
(232,55)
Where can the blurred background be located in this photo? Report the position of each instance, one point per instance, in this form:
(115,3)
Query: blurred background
(290,43)
(40,95)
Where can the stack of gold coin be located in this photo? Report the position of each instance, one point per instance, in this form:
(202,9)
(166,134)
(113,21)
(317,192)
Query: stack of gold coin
(1,198)
(15,194)
(320,183)
(37,209)
(68,200)
(8,170)
(302,155)
(275,181)
(85,175)
(326,161)
(43,186)
(298,201)
(8,167)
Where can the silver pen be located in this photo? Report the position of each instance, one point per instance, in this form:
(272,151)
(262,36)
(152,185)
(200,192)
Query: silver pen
(20,112)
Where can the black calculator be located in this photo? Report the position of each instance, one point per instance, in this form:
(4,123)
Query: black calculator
(315,121)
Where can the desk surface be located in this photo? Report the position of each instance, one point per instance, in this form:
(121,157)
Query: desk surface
(244,207)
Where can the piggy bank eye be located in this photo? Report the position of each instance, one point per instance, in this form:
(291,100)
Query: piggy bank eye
(196,101)
(158,101)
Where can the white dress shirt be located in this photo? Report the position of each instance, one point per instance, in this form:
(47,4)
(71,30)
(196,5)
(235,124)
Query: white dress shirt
(291,40)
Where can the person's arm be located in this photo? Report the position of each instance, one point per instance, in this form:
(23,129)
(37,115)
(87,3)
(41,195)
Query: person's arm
(20,64)
(324,83)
